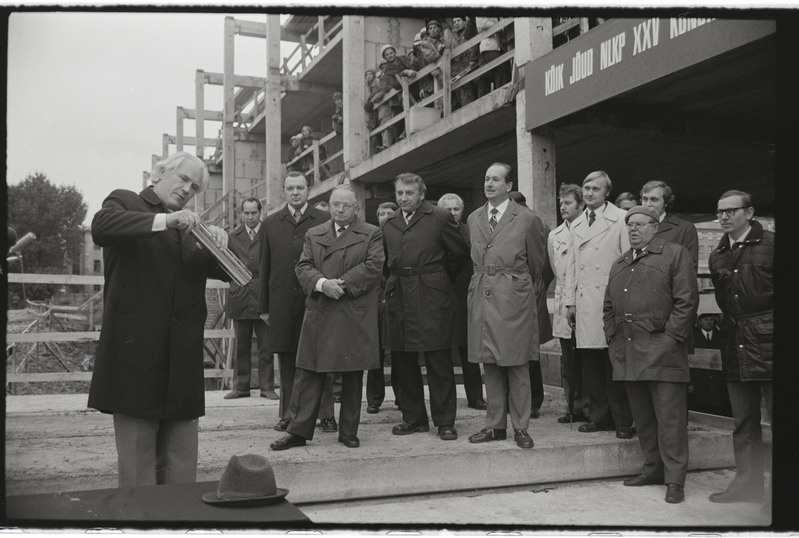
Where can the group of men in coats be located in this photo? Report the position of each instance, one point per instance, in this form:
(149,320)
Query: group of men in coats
(626,285)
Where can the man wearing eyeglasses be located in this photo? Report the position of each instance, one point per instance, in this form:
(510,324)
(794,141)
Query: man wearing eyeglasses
(742,271)
(339,271)
(649,311)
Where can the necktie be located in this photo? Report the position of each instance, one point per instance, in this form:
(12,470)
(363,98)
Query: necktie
(340,230)
(408,217)
(297,215)
(707,335)
(591,218)
(637,252)
(493,220)
(252,234)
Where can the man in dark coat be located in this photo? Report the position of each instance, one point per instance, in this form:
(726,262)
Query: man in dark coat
(149,366)
(472,379)
(419,240)
(742,271)
(659,196)
(340,272)
(650,305)
(706,334)
(242,307)
(281,302)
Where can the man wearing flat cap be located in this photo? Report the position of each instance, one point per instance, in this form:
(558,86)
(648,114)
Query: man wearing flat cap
(650,306)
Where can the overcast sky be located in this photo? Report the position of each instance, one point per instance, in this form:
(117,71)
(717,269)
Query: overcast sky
(90,94)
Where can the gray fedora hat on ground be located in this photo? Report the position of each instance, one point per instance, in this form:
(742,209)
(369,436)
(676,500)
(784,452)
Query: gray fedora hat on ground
(248,480)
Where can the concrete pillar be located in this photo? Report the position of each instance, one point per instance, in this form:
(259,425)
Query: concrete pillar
(272,128)
(228,114)
(180,114)
(356,136)
(535,150)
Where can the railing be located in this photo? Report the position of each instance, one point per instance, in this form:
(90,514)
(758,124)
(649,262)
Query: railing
(308,52)
(318,169)
(45,329)
(445,83)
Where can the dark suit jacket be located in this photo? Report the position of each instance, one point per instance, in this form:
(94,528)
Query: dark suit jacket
(150,355)
(682,232)
(243,300)
(281,295)
(701,341)
(460,290)
(419,305)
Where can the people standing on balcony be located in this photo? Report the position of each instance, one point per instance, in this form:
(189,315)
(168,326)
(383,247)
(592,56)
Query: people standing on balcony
(508,250)
(491,48)
(149,367)
(431,48)
(307,161)
(338,114)
(424,252)
(742,270)
(541,281)
(559,245)
(340,271)
(372,87)
(472,378)
(395,66)
(281,302)
(599,237)
(648,314)
(293,151)
(464,62)
(242,307)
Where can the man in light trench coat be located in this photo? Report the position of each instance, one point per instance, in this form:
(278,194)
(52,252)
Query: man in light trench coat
(649,311)
(508,247)
(339,270)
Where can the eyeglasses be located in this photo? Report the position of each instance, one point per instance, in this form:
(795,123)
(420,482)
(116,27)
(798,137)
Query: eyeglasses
(339,205)
(729,212)
(638,225)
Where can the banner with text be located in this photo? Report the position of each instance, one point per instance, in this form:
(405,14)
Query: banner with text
(623,54)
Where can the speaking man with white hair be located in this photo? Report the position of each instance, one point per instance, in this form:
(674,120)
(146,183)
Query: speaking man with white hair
(149,367)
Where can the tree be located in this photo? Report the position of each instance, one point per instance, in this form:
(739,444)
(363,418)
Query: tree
(55,214)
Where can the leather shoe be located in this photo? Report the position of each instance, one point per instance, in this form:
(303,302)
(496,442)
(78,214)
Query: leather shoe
(488,434)
(447,433)
(523,439)
(233,394)
(569,418)
(674,493)
(329,425)
(624,432)
(590,427)
(535,413)
(407,428)
(736,496)
(287,441)
(282,424)
(480,405)
(643,480)
(269,395)
(372,408)
(350,441)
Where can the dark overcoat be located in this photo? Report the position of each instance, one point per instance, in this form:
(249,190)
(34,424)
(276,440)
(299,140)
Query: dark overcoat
(340,335)
(281,295)
(743,278)
(649,312)
(503,295)
(674,229)
(243,300)
(149,360)
(460,289)
(419,300)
